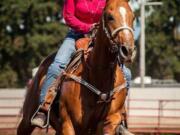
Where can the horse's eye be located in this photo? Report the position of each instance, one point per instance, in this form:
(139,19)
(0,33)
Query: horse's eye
(110,17)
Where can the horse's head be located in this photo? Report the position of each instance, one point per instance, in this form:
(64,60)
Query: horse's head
(118,26)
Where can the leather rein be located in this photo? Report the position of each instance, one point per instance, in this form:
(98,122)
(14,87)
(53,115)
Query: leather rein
(105,97)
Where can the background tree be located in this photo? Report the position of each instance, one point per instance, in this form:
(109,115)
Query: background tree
(30,30)
(162,50)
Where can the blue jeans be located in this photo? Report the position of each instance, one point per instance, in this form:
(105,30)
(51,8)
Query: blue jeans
(128,76)
(62,58)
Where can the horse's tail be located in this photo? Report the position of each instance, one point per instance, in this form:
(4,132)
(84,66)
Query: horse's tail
(33,91)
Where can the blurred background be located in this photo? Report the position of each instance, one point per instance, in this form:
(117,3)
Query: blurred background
(30,30)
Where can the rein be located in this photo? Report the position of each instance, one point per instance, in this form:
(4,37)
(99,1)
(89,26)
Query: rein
(105,97)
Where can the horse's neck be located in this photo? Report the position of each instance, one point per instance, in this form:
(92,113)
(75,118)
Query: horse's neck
(101,56)
(101,60)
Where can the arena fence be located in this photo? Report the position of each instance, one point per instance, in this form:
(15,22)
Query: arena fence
(144,115)
(158,116)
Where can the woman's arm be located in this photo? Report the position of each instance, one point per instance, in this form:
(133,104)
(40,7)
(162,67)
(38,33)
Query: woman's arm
(71,20)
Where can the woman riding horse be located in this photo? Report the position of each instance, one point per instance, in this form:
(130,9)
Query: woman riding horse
(94,102)
(75,14)
(114,44)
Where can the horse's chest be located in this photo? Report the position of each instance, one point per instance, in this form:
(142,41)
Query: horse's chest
(82,105)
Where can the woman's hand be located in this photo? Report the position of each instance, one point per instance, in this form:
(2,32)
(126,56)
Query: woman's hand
(92,30)
(94,27)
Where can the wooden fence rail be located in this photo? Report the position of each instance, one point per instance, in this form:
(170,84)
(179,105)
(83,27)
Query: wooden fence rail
(158,113)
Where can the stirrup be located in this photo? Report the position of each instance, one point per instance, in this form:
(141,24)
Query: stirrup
(124,131)
(47,120)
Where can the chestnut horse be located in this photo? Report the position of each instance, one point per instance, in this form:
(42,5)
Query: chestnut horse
(93,95)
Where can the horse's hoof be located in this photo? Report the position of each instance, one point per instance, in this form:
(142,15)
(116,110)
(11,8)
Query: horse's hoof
(124,131)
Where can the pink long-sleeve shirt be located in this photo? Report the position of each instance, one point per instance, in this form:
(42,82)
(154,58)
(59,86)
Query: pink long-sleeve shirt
(80,15)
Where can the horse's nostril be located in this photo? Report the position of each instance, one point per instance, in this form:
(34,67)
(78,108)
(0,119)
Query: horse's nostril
(124,50)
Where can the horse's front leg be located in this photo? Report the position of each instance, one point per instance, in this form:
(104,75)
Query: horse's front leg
(66,123)
(67,128)
(114,116)
(108,127)
(110,124)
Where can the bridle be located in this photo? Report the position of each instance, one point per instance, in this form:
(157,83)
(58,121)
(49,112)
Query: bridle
(115,48)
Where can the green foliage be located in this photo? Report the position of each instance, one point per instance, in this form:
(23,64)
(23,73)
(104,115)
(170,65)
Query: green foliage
(162,50)
(8,77)
(30,30)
